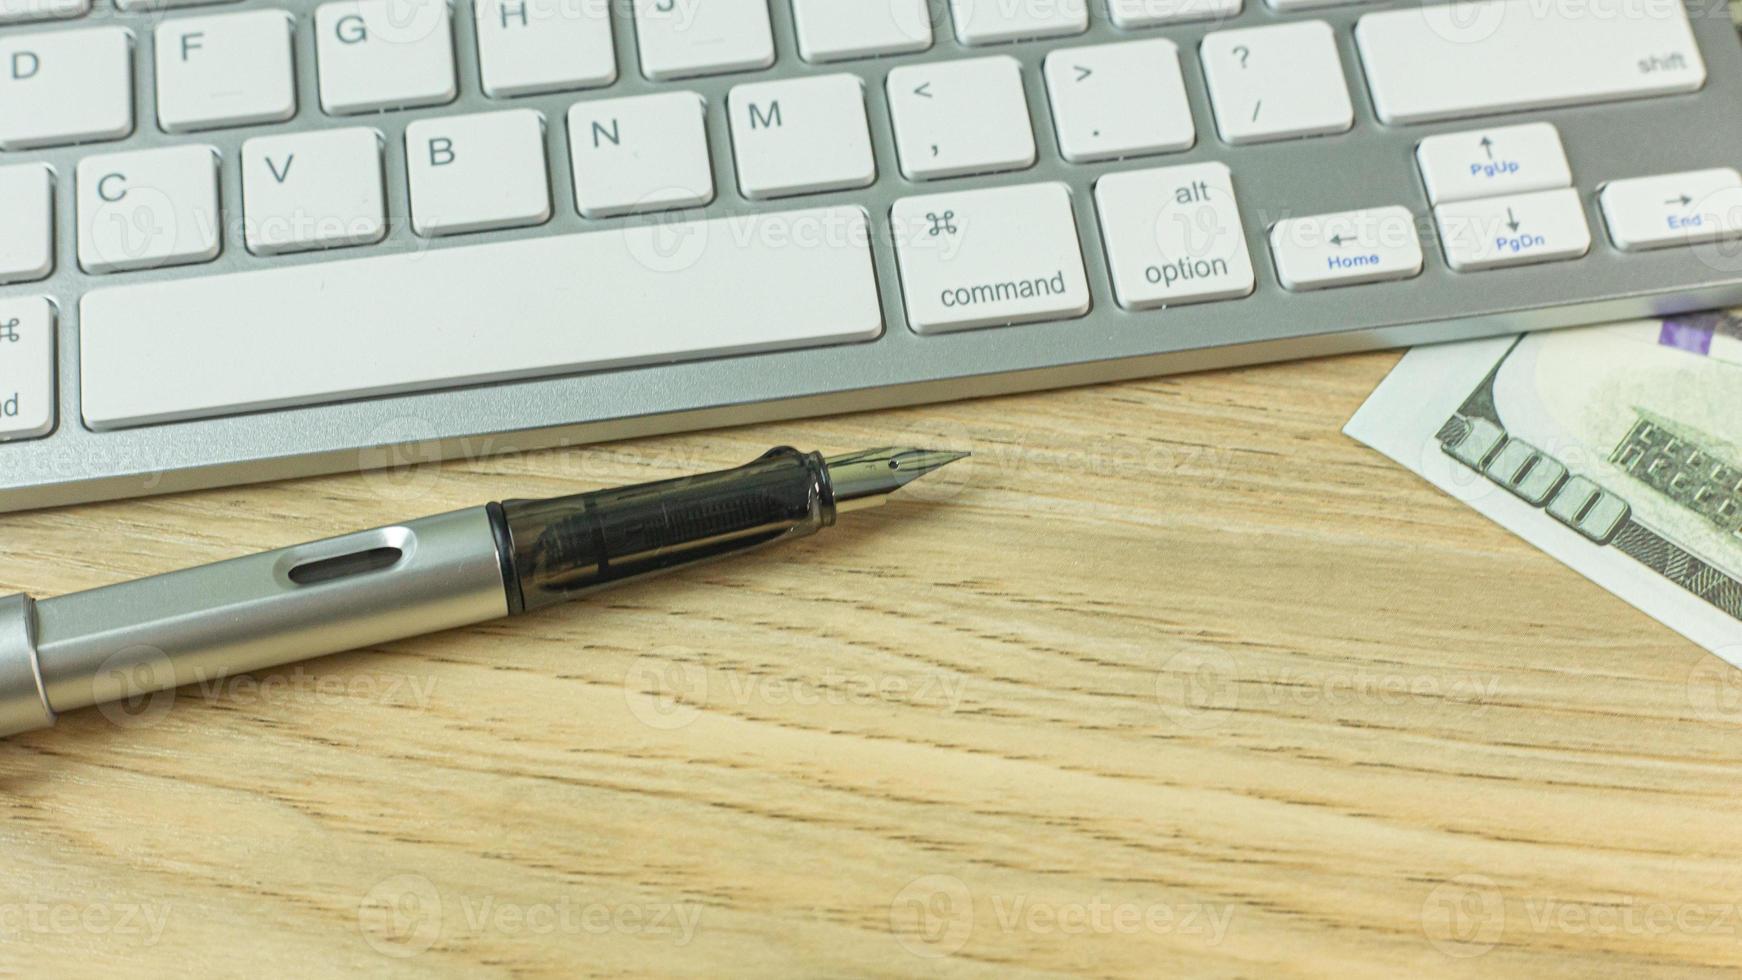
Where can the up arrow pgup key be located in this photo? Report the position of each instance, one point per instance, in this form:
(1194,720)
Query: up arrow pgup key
(1490,162)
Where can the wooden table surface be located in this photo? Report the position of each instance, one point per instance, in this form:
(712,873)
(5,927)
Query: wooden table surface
(1171,678)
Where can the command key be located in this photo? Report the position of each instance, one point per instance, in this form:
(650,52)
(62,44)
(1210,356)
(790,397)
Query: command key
(989,257)
(26,368)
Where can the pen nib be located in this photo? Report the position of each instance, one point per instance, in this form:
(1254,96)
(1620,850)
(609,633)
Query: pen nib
(865,478)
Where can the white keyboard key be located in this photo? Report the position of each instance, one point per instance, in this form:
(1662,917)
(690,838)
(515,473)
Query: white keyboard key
(478,172)
(1119,100)
(960,117)
(159,351)
(27,231)
(996,21)
(1448,60)
(530,46)
(65,87)
(1489,162)
(131,5)
(641,153)
(26,368)
(1674,209)
(702,37)
(1276,83)
(320,189)
(224,70)
(989,257)
(148,208)
(1154,13)
(384,54)
(1544,226)
(1174,236)
(801,136)
(1371,245)
(18,11)
(836,30)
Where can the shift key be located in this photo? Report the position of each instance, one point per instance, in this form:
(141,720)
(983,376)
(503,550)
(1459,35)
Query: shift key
(989,258)
(26,368)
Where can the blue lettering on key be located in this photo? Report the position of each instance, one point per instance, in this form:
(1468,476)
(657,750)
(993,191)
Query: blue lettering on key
(1518,243)
(1494,168)
(1679,221)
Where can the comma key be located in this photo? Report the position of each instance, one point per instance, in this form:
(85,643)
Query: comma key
(26,368)
(954,118)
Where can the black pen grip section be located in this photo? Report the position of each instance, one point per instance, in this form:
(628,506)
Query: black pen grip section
(565,546)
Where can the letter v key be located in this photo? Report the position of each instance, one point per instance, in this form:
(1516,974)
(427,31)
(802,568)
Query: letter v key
(337,199)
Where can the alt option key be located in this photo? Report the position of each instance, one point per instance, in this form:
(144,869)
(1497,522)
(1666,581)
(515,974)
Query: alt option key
(26,369)
(1174,236)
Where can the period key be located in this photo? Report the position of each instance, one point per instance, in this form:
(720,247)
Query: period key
(26,368)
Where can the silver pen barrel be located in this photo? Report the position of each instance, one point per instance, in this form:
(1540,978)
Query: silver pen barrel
(436,573)
(245,614)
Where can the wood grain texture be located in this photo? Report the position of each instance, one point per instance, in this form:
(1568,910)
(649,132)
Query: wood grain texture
(1172,678)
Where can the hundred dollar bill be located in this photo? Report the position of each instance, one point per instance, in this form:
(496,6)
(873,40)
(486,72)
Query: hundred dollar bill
(1616,449)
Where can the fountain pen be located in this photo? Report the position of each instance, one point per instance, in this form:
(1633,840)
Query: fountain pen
(455,569)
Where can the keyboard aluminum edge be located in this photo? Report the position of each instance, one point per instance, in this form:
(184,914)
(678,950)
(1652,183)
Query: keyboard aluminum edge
(1273,181)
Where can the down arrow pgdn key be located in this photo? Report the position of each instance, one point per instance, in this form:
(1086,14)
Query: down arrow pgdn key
(1520,229)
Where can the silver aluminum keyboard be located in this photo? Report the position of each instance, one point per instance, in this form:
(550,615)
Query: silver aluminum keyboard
(256,239)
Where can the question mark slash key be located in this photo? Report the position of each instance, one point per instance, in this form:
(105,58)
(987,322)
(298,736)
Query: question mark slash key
(1277,82)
